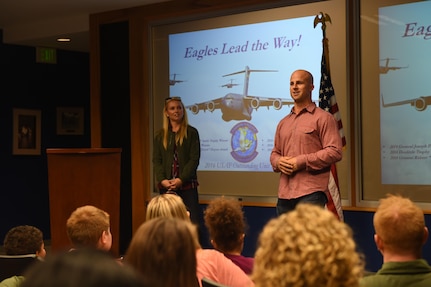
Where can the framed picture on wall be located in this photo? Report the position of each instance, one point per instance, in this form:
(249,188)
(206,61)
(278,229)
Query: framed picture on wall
(70,121)
(26,132)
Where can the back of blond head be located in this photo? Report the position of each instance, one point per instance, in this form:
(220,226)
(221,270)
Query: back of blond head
(170,206)
(400,223)
(167,205)
(307,247)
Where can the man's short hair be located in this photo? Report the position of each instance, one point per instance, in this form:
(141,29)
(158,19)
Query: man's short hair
(86,225)
(23,239)
(400,223)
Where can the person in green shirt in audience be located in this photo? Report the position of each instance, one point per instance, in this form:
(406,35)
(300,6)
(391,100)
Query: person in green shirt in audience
(400,234)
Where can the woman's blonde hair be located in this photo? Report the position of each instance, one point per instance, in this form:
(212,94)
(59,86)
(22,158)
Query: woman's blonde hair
(182,132)
(307,247)
(167,205)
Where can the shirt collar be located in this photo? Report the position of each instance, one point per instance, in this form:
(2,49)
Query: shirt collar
(310,108)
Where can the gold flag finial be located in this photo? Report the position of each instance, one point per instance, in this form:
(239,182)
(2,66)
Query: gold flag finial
(322,18)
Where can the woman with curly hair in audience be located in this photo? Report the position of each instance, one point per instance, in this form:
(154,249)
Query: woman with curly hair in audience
(307,247)
(225,221)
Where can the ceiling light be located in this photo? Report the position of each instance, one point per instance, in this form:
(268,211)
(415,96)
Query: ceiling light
(63,39)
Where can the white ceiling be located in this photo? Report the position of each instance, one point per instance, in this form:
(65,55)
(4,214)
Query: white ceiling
(41,22)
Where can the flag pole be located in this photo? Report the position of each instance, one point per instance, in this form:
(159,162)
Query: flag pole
(323,18)
(327,101)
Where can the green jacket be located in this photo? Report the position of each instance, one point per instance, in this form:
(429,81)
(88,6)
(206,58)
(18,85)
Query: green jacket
(13,281)
(188,156)
(415,273)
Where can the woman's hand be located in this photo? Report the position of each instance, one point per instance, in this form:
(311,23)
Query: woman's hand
(166,183)
(172,184)
(176,183)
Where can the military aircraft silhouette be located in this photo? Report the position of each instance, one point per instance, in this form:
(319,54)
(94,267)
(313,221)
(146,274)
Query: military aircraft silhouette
(173,81)
(420,103)
(239,106)
(229,85)
(386,68)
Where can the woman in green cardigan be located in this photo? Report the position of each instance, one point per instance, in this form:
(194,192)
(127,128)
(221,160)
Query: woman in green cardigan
(176,154)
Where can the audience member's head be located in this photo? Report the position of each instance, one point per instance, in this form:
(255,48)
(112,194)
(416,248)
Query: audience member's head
(163,250)
(207,263)
(89,226)
(167,205)
(24,239)
(399,227)
(307,247)
(224,219)
(82,268)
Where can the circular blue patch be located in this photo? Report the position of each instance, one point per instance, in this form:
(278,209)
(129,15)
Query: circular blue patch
(244,142)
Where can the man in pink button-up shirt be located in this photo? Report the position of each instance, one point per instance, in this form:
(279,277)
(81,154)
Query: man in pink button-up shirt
(306,144)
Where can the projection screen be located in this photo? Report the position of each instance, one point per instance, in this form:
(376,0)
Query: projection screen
(232,73)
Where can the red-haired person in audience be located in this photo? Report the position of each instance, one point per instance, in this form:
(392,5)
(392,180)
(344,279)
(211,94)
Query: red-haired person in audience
(400,234)
(89,227)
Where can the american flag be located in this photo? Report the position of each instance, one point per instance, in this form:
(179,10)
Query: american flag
(328,102)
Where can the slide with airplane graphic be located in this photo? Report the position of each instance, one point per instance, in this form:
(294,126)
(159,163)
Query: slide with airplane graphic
(236,106)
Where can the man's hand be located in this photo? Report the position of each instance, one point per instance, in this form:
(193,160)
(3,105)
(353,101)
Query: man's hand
(287,165)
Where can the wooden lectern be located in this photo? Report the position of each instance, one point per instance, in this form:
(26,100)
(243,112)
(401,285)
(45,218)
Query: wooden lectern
(78,177)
